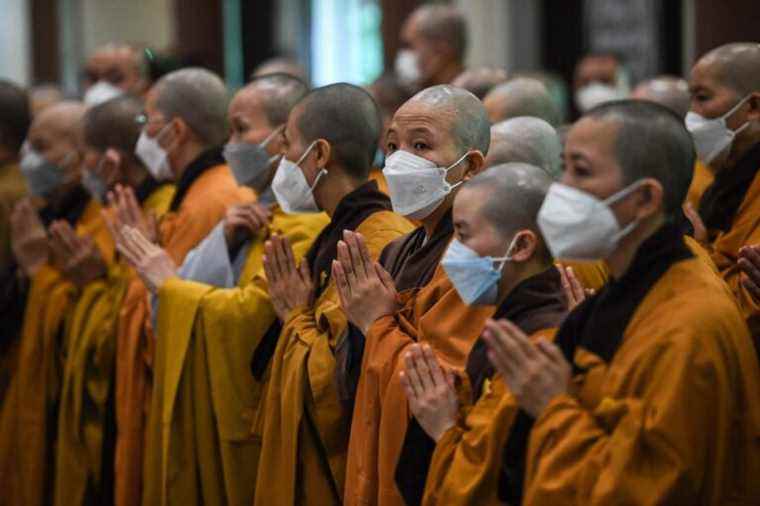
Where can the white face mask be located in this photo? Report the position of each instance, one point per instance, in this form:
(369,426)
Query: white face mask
(578,226)
(597,93)
(417,186)
(407,67)
(291,189)
(155,158)
(712,137)
(100,92)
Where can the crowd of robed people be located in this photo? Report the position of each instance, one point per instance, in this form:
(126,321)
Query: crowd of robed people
(426,291)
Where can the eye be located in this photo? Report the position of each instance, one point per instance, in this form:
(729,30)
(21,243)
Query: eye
(420,146)
(391,147)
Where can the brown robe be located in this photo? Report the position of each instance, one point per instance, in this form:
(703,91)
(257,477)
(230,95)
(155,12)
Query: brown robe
(662,407)
(480,460)
(303,426)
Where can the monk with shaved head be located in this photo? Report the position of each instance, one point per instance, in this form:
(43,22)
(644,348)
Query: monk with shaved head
(725,123)
(436,141)
(114,69)
(479,461)
(670,91)
(60,248)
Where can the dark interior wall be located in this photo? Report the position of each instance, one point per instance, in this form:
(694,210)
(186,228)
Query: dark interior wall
(394,14)
(199,36)
(258,20)
(44,19)
(718,23)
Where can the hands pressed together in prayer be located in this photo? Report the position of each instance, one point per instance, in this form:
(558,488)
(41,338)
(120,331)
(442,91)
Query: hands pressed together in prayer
(430,391)
(135,237)
(243,221)
(366,290)
(290,286)
(29,238)
(574,291)
(536,373)
(76,256)
(749,263)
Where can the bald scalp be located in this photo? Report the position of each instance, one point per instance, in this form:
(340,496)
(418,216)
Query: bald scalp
(737,65)
(280,91)
(443,23)
(470,126)
(200,98)
(136,55)
(480,80)
(523,96)
(663,149)
(528,140)
(513,193)
(670,91)
(64,118)
(113,124)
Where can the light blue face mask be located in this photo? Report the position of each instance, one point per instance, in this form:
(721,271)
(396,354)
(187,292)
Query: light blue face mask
(475,278)
(42,176)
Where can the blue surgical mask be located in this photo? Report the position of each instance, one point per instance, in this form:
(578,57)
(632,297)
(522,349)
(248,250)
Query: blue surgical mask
(42,176)
(475,278)
(95,185)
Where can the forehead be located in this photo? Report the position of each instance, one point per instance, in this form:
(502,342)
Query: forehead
(593,137)
(431,115)
(708,72)
(469,203)
(597,65)
(248,101)
(121,57)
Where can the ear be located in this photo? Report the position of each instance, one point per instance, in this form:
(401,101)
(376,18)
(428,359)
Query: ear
(754,106)
(475,164)
(525,246)
(322,152)
(650,199)
(181,132)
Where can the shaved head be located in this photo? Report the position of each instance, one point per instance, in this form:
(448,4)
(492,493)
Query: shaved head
(736,65)
(670,91)
(62,119)
(526,140)
(442,23)
(113,124)
(512,195)
(280,65)
(662,149)
(480,80)
(467,116)
(522,96)
(197,96)
(280,93)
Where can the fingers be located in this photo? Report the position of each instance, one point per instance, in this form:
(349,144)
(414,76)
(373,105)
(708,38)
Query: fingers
(344,291)
(303,270)
(344,257)
(386,279)
(423,371)
(439,377)
(551,351)
(133,208)
(523,348)
(270,260)
(412,374)
(411,394)
(356,255)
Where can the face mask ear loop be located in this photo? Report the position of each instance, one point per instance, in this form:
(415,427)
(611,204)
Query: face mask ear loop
(617,197)
(271,136)
(508,256)
(449,186)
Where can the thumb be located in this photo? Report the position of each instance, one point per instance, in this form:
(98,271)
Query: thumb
(385,278)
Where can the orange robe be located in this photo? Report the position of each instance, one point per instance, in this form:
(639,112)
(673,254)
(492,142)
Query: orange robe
(434,315)
(702,179)
(27,419)
(304,430)
(662,409)
(194,213)
(84,453)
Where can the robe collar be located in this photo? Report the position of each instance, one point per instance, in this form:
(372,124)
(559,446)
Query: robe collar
(413,258)
(146,189)
(209,158)
(722,199)
(599,323)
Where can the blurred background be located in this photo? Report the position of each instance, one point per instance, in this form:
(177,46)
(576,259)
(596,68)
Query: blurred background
(48,41)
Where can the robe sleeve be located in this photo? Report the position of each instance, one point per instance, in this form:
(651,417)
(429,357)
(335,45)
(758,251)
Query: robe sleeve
(644,446)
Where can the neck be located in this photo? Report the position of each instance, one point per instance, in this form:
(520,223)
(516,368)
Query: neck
(509,281)
(135,176)
(448,73)
(187,156)
(57,199)
(333,188)
(620,260)
(430,222)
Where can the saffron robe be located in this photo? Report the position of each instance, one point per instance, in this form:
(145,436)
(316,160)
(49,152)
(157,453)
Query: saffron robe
(701,180)
(28,417)
(473,464)
(200,447)
(435,315)
(661,408)
(304,430)
(86,424)
(204,192)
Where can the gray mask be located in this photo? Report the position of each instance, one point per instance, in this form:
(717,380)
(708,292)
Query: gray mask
(41,175)
(250,162)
